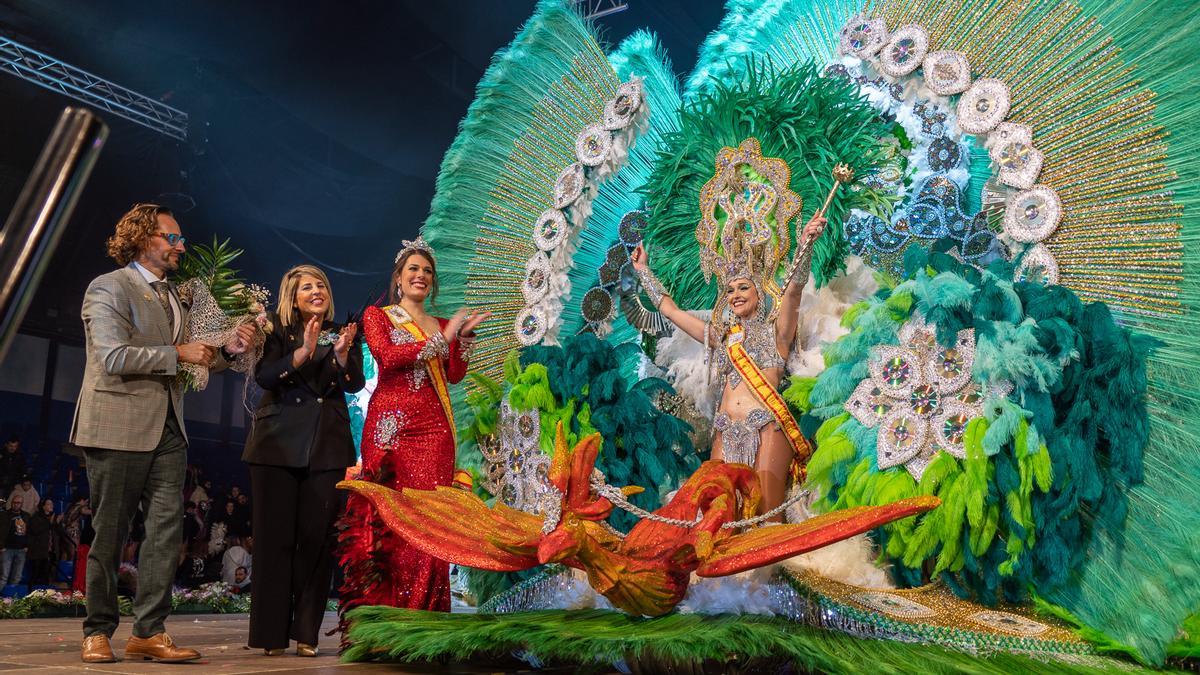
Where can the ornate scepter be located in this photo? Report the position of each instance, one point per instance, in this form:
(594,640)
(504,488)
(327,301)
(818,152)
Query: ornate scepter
(842,173)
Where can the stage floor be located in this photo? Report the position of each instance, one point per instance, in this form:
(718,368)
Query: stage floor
(30,646)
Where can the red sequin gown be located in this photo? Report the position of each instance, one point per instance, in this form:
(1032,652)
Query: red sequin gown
(407,441)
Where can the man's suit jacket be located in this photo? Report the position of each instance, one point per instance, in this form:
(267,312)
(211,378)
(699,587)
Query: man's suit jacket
(302,420)
(131,364)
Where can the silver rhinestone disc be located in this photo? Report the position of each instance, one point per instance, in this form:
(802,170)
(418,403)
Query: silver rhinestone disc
(902,436)
(537,278)
(1032,215)
(862,37)
(550,230)
(896,370)
(530,326)
(1037,264)
(593,144)
(569,186)
(904,51)
(620,110)
(983,106)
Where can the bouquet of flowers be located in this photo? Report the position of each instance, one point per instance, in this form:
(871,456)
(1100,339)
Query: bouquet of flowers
(219,302)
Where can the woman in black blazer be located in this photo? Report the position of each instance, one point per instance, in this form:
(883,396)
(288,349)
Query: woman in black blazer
(299,448)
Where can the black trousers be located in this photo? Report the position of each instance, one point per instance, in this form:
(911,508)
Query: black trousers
(294,511)
(39,572)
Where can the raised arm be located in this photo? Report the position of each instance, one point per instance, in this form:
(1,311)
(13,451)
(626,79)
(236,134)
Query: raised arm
(695,327)
(797,277)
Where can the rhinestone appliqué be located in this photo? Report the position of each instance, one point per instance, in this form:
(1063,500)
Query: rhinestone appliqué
(593,145)
(904,51)
(862,37)
(920,396)
(1009,623)
(1037,264)
(620,110)
(1011,147)
(1033,214)
(537,278)
(569,186)
(550,230)
(983,106)
(947,72)
(530,326)
(892,604)
(389,424)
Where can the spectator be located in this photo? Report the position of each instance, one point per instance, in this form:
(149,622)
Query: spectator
(29,495)
(199,495)
(73,523)
(86,534)
(241,580)
(14,535)
(12,463)
(41,541)
(244,515)
(238,555)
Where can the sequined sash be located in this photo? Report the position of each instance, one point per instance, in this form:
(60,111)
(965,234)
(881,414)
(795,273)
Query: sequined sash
(768,396)
(437,374)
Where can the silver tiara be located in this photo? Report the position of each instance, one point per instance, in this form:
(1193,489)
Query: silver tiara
(419,245)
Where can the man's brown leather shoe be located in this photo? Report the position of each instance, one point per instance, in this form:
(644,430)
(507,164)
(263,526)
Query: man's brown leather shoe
(97,650)
(160,648)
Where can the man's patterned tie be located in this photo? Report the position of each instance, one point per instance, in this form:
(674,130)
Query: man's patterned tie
(164,298)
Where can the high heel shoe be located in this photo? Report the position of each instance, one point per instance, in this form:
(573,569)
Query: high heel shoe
(305,650)
(273,652)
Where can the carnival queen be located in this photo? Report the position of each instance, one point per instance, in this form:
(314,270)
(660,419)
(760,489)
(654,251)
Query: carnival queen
(408,438)
(749,342)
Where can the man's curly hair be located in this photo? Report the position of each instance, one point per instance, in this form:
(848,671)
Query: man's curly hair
(134,229)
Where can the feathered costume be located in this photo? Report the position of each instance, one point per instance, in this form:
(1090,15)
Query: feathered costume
(1027,359)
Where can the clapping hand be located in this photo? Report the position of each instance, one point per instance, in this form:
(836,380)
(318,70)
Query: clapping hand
(473,319)
(463,322)
(312,330)
(345,338)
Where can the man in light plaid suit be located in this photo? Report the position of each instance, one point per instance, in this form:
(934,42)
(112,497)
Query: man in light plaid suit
(129,421)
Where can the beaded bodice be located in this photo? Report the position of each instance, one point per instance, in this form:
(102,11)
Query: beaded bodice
(758,338)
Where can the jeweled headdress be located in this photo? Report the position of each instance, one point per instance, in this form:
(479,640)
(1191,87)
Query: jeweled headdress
(744,214)
(417,245)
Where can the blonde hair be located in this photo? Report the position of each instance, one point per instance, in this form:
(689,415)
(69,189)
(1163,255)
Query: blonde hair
(287,310)
(134,229)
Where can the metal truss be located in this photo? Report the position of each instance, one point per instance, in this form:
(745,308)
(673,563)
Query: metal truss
(594,9)
(46,71)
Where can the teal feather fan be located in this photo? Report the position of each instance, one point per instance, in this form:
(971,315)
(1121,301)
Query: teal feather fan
(810,122)
(498,176)
(639,55)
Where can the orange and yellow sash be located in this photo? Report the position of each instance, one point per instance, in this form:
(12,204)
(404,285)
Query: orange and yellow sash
(768,396)
(437,373)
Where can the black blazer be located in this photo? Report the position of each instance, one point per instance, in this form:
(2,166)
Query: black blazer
(302,420)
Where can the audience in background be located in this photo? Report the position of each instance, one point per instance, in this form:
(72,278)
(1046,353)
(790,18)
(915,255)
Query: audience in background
(43,537)
(41,556)
(14,537)
(12,464)
(238,557)
(28,494)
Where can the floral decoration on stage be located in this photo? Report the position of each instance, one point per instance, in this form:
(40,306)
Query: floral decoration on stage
(219,301)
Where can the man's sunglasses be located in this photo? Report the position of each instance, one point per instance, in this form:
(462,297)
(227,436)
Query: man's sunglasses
(172,238)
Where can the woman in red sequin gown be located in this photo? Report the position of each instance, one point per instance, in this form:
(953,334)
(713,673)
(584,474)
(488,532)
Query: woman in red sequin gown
(408,438)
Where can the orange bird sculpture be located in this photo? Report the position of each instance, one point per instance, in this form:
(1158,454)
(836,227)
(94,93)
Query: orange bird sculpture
(647,571)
